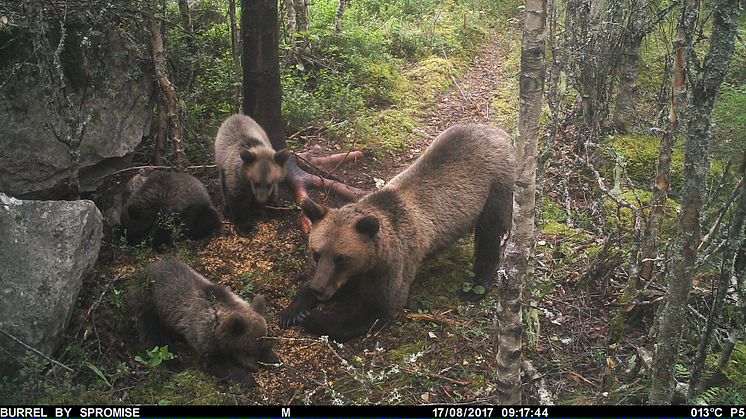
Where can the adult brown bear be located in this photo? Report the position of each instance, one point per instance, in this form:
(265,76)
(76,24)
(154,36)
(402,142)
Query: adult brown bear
(367,252)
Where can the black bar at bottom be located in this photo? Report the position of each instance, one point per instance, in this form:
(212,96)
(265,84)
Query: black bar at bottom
(429,411)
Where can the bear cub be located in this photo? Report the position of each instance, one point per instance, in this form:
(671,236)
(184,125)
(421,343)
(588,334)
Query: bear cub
(224,330)
(250,169)
(367,252)
(164,195)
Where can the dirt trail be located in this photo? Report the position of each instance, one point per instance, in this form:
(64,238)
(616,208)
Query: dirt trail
(470,98)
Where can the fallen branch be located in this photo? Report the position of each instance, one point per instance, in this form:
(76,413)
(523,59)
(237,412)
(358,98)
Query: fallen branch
(36,351)
(128,169)
(337,159)
(433,318)
(95,305)
(434,375)
(301,182)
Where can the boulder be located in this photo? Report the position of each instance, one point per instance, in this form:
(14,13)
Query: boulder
(116,94)
(47,248)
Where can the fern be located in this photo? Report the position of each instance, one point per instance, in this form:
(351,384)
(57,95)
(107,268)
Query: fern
(709,396)
(682,371)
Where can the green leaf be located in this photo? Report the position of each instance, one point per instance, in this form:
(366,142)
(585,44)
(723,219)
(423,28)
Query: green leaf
(98,372)
(479,290)
(467,286)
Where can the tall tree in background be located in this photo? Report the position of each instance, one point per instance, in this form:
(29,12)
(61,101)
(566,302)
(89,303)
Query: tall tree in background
(518,252)
(704,88)
(631,40)
(170,124)
(668,138)
(262,96)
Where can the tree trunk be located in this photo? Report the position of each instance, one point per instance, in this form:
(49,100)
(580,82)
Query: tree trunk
(704,90)
(301,15)
(235,52)
(735,235)
(159,143)
(262,93)
(668,139)
(168,98)
(340,15)
(625,108)
(186,23)
(519,250)
(292,24)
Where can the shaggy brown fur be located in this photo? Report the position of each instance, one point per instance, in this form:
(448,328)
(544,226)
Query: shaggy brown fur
(250,170)
(222,328)
(367,252)
(167,194)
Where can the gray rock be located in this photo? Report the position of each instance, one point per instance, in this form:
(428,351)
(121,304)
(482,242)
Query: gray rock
(47,248)
(116,95)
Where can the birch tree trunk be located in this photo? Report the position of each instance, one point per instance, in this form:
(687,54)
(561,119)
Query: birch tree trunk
(704,89)
(519,250)
(668,139)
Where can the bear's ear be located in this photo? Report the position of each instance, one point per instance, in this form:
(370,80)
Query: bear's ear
(282,156)
(259,304)
(368,225)
(312,210)
(248,157)
(234,325)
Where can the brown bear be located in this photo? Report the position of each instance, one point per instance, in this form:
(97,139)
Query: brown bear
(250,169)
(367,252)
(163,199)
(223,329)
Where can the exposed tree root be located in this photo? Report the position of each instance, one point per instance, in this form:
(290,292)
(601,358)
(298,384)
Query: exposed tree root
(300,181)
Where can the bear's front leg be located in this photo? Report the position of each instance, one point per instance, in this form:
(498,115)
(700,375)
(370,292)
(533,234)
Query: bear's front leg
(244,214)
(297,312)
(343,325)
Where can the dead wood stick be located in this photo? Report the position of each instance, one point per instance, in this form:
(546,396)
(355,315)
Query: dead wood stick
(434,375)
(36,351)
(433,318)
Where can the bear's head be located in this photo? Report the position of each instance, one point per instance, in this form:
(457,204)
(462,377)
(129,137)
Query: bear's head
(342,242)
(138,220)
(241,336)
(263,168)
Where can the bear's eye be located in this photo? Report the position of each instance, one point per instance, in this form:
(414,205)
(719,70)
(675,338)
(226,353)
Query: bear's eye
(316,256)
